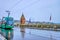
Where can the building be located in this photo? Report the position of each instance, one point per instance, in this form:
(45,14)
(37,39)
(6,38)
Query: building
(22,19)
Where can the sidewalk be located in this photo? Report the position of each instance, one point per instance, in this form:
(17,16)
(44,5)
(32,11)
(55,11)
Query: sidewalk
(2,38)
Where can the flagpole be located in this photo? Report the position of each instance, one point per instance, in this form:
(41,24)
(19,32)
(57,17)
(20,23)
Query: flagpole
(50,18)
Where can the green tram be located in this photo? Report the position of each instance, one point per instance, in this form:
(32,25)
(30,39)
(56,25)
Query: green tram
(7,22)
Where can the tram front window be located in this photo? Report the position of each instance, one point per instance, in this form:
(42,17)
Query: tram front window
(9,21)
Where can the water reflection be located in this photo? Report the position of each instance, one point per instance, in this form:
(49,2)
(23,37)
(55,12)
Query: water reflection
(7,33)
(22,30)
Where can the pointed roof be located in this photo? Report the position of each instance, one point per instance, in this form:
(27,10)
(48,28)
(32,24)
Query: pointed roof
(22,16)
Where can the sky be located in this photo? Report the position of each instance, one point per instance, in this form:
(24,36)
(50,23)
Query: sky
(36,10)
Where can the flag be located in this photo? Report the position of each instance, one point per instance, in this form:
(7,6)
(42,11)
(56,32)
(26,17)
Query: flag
(50,18)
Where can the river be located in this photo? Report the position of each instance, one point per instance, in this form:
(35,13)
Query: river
(18,33)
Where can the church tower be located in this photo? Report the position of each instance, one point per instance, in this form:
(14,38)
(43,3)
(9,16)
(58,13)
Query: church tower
(22,19)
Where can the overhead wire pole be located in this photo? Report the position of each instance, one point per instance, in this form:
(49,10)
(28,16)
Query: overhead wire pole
(8,13)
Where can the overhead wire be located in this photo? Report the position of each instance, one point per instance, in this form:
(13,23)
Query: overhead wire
(15,4)
(30,5)
(21,9)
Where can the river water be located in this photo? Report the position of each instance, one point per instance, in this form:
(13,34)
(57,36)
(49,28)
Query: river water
(18,33)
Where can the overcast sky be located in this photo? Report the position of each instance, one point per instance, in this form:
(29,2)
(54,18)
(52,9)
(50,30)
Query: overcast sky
(36,10)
